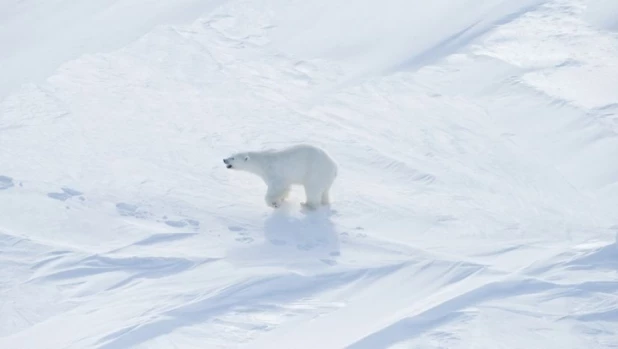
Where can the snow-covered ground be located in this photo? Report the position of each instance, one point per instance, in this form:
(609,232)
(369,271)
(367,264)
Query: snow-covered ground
(475,206)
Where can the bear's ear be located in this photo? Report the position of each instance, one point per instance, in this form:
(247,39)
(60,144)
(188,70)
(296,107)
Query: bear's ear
(247,158)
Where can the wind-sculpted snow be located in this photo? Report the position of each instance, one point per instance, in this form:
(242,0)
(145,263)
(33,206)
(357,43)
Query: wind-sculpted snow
(475,204)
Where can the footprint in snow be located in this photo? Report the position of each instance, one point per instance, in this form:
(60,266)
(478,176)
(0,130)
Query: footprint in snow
(6,182)
(130,210)
(329,262)
(193,222)
(245,239)
(183,223)
(177,224)
(242,232)
(66,194)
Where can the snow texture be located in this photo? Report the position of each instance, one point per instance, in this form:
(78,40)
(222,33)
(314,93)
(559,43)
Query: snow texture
(475,204)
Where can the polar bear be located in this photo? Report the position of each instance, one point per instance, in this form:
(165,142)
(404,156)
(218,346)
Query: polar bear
(302,164)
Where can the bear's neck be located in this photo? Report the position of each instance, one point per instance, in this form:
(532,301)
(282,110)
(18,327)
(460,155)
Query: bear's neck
(257,165)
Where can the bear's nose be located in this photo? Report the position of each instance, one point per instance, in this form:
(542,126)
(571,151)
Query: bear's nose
(225,161)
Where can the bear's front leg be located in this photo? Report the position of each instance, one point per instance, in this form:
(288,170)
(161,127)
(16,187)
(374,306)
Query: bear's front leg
(275,195)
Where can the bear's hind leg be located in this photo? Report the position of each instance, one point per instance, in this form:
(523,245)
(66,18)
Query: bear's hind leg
(314,197)
(325,198)
(286,193)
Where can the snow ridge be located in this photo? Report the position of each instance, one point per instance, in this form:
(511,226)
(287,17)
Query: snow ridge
(474,203)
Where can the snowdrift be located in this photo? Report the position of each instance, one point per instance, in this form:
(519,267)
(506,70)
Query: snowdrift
(475,203)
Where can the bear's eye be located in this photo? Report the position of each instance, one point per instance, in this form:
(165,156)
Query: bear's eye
(232,159)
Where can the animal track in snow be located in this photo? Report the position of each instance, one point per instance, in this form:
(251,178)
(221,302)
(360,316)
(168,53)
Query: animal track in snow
(183,223)
(66,194)
(243,234)
(130,210)
(177,224)
(6,182)
(245,239)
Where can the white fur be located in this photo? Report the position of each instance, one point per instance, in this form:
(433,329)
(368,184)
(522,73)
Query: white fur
(303,164)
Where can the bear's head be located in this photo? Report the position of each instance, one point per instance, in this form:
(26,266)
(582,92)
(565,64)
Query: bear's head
(238,161)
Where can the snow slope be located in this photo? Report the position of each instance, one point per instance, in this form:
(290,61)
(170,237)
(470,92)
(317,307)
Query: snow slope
(475,205)
(37,37)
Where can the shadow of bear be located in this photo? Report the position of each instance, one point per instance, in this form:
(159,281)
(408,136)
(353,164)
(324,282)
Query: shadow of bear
(313,230)
(294,239)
